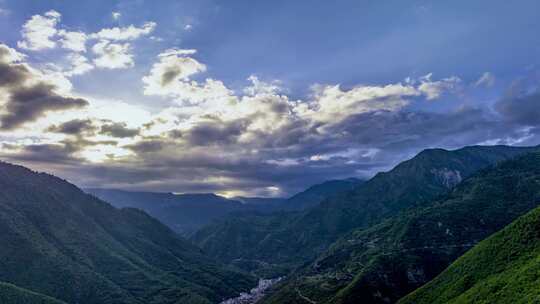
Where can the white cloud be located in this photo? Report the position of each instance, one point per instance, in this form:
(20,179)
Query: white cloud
(116,15)
(487,79)
(206,94)
(350,153)
(286,162)
(177,52)
(188,27)
(170,75)
(79,65)
(434,89)
(38,31)
(58,79)
(331,103)
(263,105)
(9,55)
(75,41)
(261,87)
(113,55)
(125,33)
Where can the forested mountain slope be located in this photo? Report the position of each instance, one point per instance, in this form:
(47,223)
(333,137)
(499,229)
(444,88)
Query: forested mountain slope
(385,262)
(505,268)
(60,242)
(11,294)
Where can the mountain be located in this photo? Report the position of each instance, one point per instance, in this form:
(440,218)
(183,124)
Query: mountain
(287,241)
(184,213)
(60,242)
(11,294)
(237,239)
(270,202)
(383,263)
(314,195)
(502,269)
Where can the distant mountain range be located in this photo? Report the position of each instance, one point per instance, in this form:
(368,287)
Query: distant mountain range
(186,213)
(59,242)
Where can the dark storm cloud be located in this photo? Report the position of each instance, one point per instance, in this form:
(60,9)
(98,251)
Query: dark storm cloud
(216,132)
(118,129)
(147,146)
(411,130)
(195,173)
(175,134)
(79,143)
(12,75)
(25,103)
(170,75)
(521,108)
(62,153)
(74,127)
(45,153)
(89,127)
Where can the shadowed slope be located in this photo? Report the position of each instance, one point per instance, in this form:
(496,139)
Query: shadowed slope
(61,242)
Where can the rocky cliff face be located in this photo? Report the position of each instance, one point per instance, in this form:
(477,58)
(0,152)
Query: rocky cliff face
(449,178)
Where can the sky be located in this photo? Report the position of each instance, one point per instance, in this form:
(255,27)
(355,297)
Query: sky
(259,98)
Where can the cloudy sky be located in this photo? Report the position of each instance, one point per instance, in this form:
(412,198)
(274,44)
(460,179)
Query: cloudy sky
(259,97)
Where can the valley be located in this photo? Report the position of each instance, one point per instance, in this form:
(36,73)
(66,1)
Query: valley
(388,243)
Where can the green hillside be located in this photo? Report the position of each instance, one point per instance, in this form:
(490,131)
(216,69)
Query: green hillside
(505,268)
(11,294)
(58,241)
(385,262)
(294,239)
